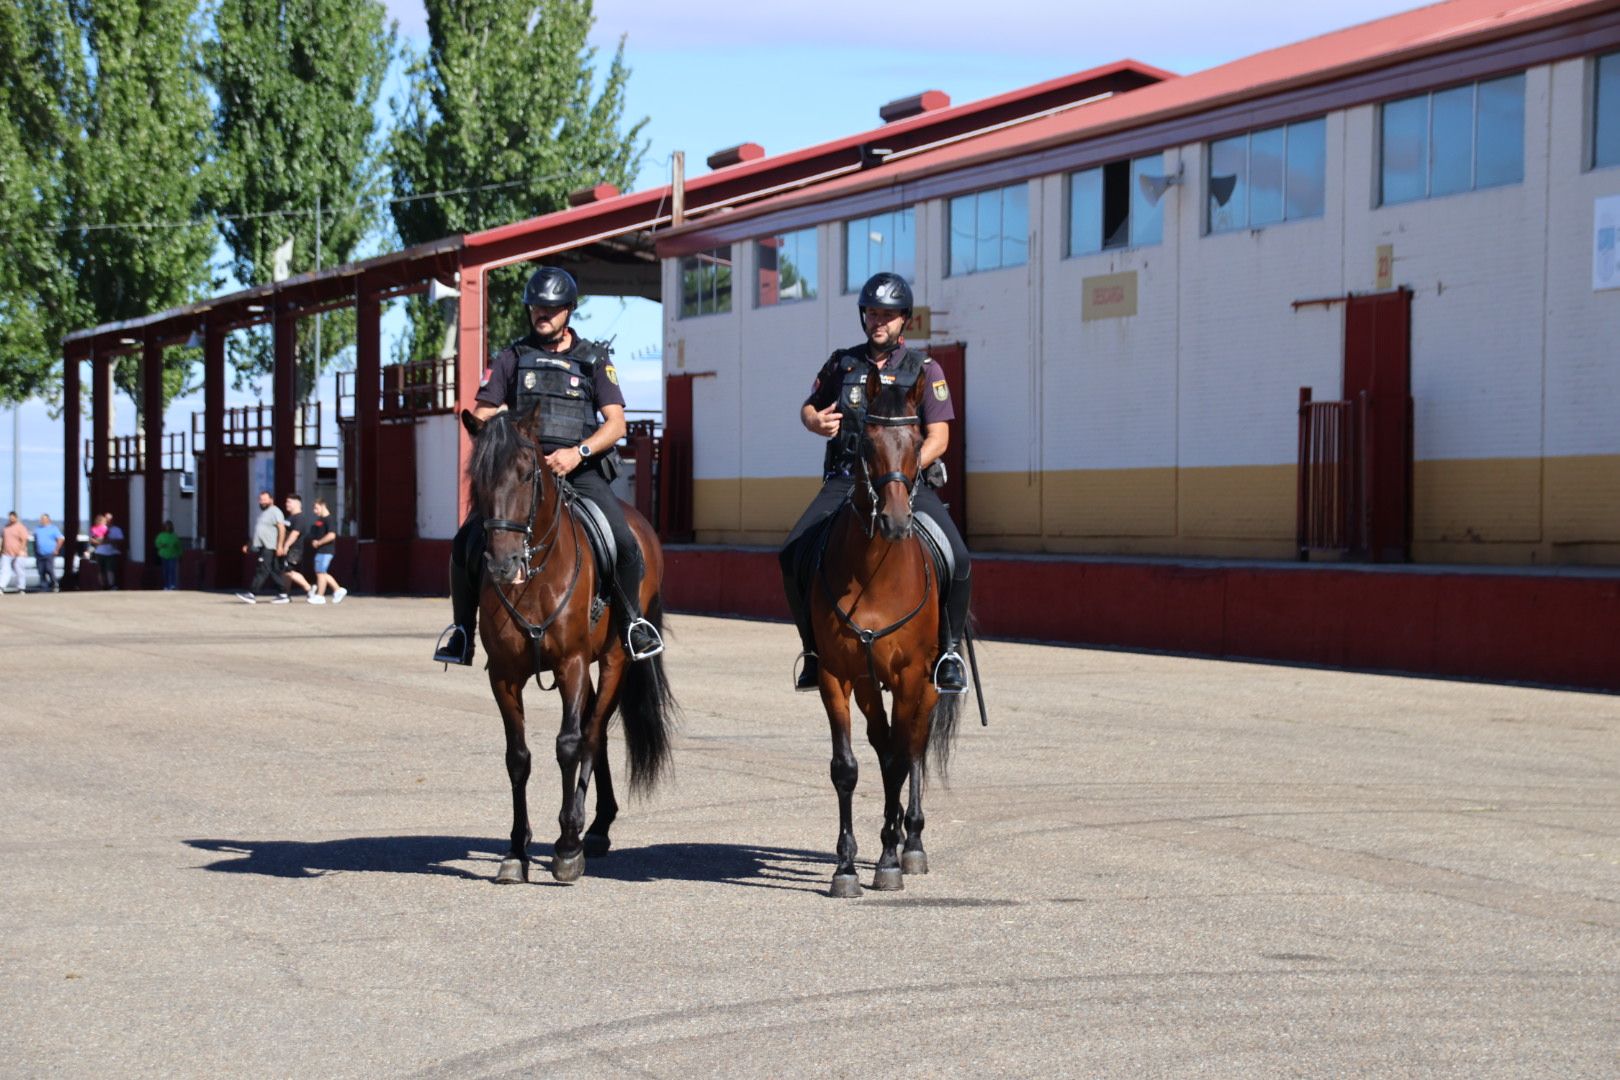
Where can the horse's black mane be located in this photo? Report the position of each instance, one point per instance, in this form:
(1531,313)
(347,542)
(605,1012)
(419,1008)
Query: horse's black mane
(496,447)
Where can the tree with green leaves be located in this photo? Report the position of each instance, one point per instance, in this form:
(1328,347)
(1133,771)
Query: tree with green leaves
(102,163)
(501,120)
(297,83)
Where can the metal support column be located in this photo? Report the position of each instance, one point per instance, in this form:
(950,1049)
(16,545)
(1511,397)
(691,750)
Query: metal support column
(101,392)
(284,400)
(367,409)
(152,421)
(71,465)
(470,359)
(217,527)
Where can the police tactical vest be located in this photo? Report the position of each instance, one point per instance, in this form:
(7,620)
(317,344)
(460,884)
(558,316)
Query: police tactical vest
(561,387)
(902,372)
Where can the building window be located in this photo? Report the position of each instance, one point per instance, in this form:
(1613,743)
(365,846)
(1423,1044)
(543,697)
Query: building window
(1263,177)
(989,230)
(706,282)
(886,241)
(787,268)
(1462,139)
(1606,111)
(1114,206)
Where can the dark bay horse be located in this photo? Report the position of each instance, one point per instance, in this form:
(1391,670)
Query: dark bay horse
(875,607)
(538,613)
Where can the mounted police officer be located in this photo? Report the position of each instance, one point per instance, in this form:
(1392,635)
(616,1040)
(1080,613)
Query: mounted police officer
(835,409)
(569,381)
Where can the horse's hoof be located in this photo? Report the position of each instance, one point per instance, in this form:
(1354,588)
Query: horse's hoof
(887,879)
(568,867)
(914,862)
(845,886)
(513,871)
(597,844)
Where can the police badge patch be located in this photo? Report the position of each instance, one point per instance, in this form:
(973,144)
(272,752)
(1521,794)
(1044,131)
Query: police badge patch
(529,380)
(854,395)
(941,391)
(613,376)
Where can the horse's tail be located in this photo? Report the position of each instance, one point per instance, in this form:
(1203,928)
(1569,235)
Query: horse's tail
(649,711)
(942,722)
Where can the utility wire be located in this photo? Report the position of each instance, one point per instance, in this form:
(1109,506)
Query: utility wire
(217,219)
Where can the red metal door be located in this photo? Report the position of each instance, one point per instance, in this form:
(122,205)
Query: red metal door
(952,360)
(396,504)
(1377,361)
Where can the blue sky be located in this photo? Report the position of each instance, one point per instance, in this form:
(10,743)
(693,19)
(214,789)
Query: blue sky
(792,75)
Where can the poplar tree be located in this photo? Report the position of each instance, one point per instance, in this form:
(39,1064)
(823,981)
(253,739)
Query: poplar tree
(108,110)
(501,119)
(297,83)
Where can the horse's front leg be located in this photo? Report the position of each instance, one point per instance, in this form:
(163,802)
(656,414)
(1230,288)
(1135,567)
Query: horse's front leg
(845,771)
(609,684)
(892,766)
(913,859)
(509,698)
(574,684)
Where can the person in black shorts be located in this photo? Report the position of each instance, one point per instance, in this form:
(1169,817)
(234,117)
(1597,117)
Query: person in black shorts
(296,540)
(568,381)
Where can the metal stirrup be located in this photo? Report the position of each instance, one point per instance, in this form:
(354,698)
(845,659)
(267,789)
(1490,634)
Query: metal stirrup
(950,654)
(466,640)
(630,641)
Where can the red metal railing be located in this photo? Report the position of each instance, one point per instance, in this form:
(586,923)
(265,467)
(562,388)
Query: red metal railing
(1333,482)
(126,454)
(417,388)
(251,427)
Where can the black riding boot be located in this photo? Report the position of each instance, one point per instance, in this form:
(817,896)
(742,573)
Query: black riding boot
(640,636)
(798,601)
(950,673)
(456,643)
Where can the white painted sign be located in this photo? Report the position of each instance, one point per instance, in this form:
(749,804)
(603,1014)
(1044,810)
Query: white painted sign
(1606,243)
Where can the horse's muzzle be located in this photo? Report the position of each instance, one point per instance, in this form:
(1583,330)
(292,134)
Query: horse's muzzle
(894,528)
(505,570)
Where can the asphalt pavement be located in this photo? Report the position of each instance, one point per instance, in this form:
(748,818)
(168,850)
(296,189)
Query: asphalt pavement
(260,841)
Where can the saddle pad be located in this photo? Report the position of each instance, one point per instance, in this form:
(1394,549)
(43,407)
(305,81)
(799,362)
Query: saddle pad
(600,535)
(940,547)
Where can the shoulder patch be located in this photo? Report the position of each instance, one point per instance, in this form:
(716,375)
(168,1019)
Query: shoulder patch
(612,375)
(942,392)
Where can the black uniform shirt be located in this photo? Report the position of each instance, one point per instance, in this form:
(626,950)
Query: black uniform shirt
(501,389)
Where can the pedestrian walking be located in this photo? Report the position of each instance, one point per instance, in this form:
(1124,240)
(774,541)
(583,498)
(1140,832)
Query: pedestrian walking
(13,550)
(49,542)
(322,539)
(168,551)
(268,533)
(110,552)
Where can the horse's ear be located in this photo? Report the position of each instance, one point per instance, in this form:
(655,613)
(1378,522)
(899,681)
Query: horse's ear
(471,423)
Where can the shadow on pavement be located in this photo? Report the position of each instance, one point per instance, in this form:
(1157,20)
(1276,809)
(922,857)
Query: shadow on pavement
(736,864)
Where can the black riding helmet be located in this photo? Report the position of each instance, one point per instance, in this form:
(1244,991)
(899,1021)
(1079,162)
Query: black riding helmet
(886,291)
(551,286)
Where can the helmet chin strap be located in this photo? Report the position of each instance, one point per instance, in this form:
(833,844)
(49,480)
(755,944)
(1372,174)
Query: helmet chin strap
(556,339)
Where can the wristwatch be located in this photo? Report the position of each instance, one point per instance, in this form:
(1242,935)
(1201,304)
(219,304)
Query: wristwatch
(584,450)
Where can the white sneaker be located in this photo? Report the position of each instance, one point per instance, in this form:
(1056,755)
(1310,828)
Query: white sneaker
(247,598)
(337,597)
(316,598)
(313,593)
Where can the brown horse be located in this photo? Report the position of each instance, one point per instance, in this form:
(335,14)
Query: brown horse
(875,607)
(539,612)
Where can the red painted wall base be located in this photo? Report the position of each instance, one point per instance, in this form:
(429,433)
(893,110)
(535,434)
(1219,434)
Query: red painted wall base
(1531,627)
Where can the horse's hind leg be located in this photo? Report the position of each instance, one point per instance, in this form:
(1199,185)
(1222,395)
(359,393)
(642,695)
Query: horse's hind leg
(607,807)
(568,855)
(892,764)
(509,697)
(845,771)
(913,859)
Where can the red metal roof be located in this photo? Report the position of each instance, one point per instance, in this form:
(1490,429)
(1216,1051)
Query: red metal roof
(1412,35)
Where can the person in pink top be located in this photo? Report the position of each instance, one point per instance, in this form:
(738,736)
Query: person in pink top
(13,550)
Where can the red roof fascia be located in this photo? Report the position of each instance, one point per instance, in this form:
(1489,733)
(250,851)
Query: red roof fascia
(1341,54)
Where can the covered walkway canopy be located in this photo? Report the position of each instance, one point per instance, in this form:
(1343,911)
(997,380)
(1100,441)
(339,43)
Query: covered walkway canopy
(606,238)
